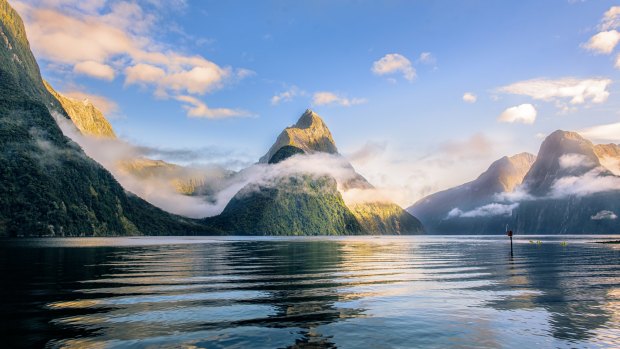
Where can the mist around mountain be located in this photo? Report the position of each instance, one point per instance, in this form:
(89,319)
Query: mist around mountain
(48,186)
(570,187)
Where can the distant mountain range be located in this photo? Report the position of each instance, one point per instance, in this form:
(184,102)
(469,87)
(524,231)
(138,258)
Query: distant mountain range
(570,187)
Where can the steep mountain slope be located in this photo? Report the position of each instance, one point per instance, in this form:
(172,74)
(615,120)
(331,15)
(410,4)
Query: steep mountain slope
(446,211)
(85,116)
(304,203)
(48,186)
(309,134)
(609,156)
(572,193)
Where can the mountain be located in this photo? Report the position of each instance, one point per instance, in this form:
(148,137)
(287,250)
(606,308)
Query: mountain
(85,116)
(301,202)
(571,191)
(48,186)
(567,188)
(609,156)
(447,211)
(309,134)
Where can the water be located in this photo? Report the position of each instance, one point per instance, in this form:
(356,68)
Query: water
(388,292)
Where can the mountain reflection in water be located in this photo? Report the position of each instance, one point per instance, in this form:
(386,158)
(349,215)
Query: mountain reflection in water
(383,292)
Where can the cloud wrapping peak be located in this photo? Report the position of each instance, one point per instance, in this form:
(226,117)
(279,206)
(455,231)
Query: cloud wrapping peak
(395,63)
(330,98)
(524,113)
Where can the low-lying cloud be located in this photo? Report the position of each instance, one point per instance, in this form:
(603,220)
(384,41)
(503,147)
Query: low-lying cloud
(493,209)
(604,215)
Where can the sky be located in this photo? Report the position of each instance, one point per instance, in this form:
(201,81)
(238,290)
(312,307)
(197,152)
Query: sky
(419,95)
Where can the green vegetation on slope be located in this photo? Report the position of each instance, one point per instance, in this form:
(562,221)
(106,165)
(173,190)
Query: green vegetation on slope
(301,205)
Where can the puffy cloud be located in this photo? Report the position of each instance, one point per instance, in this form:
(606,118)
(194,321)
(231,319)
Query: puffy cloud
(394,63)
(524,113)
(93,38)
(493,209)
(577,91)
(143,73)
(198,109)
(287,95)
(611,18)
(325,98)
(574,161)
(469,97)
(603,215)
(603,42)
(594,181)
(602,133)
(95,69)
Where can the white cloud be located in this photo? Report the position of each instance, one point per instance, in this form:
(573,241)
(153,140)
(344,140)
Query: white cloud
(575,161)
(611,18)
(604,214)
(287,95)
(602,133)
(594,181)
(98,40)
(198,109)
(493,209)
(470,97)
(326,98)
(427,58)
(394,63)
(524,113)
(576,91)
(143,73)
(95,69)
(603,42)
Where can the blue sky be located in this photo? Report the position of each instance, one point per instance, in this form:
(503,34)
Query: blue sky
(388,77)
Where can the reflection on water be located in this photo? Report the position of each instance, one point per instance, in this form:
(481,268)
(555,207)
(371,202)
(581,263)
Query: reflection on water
(466,292)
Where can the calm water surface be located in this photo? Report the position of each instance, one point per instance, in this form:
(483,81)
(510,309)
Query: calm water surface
(388,292)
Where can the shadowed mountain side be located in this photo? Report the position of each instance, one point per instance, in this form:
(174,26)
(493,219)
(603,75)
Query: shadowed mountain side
(48,186)
(503,176)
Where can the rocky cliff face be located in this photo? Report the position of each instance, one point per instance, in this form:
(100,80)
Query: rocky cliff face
(609,156)
(85,116)
(309,134)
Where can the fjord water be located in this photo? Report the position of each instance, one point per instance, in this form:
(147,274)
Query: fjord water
(384,292)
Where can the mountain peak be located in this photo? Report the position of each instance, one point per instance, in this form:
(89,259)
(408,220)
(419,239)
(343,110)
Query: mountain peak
(310,134)
(549,165)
